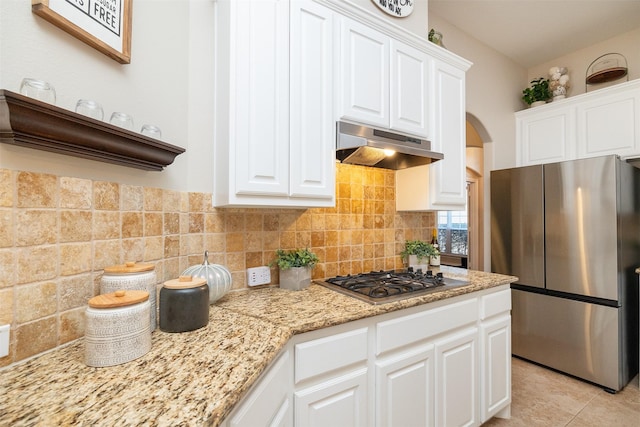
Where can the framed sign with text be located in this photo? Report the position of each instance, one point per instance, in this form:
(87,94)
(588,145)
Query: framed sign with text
(397,8)
(102,24)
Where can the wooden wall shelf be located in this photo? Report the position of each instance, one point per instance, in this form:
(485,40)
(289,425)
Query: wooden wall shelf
(31,123)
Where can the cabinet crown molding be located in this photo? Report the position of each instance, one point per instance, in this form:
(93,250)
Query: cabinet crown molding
(380,23)
(583,97)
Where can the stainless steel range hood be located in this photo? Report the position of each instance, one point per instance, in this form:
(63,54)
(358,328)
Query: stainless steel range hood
(362,145)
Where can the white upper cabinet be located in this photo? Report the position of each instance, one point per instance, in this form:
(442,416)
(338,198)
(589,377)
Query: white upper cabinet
(440,185)
(409,90)
(546,137)
(598,123)
(609,124)
(364,78)
(286,71)
(312,123)
(274,130)
(383,82)
(448,183)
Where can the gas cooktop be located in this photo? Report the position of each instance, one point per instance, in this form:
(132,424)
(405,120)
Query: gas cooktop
(379,287)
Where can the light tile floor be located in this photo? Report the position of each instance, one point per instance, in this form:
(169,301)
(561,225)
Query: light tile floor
(542,397)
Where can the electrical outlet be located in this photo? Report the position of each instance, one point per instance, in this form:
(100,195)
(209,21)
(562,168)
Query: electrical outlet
(4,340)
(258,276)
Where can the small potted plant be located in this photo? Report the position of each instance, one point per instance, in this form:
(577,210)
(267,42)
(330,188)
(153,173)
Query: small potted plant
(295,267)
(538,93)
(417,254)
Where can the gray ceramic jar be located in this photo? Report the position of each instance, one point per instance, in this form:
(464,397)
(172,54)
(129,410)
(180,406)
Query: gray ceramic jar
(184,304)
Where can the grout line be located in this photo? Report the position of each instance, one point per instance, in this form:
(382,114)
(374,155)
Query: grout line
(586,404)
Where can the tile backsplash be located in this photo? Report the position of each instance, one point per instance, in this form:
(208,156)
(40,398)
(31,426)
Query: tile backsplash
(58,233)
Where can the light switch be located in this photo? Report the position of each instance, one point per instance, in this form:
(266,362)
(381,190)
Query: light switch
(4,340)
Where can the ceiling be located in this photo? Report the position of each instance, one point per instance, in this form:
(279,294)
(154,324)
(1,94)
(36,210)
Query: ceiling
(532,32)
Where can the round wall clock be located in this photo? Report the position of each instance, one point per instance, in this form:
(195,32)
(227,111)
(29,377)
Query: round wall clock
(397,8)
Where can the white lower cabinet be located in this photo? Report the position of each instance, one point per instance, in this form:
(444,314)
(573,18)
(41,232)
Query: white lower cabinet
(495,339)
(336,401)
(457,378)
(270,402)
(446,363)
(496,391)
(405,388)
(330,378)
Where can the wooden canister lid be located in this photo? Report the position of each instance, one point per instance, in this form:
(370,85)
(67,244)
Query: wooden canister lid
(118,299)
(185,282)
(129,267)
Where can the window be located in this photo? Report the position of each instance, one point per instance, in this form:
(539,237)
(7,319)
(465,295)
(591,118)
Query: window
(452,232)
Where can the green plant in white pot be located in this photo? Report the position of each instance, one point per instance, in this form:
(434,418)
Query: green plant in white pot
(295,267)
(538,93)
(416,254)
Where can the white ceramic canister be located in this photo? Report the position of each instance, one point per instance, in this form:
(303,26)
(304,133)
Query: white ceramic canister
(117,328)
(132,276)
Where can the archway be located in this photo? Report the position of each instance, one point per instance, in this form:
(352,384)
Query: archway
(477,136)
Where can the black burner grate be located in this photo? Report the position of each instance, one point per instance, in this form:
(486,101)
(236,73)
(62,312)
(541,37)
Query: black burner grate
(381,284)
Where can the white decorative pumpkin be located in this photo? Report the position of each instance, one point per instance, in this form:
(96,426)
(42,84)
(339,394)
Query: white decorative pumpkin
(218,277)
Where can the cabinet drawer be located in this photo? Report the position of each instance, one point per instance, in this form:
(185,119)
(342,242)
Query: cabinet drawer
(496,303)
(405,330)
(324,355)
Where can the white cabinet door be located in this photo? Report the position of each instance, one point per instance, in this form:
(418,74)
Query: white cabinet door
(496,369)
(457,379)
(274,129)
(440,185)
(404,392)
(383,82)
(364,74)
(409,90)
(599,123)
(545,136)
(609,125)
(429,363)
(312,123)
(339,401)
(261,94)
(448,181)
(331,378)
(270,403)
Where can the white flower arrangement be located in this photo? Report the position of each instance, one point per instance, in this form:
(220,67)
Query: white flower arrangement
(558,81)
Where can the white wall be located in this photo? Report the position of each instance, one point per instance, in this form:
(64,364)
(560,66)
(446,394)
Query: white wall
(494,83)
(577,62)
(168,52)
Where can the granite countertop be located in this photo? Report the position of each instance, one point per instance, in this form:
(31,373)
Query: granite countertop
(193,378)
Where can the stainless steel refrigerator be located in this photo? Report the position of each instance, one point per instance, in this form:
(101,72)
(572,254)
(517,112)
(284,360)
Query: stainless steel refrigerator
(569,231)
